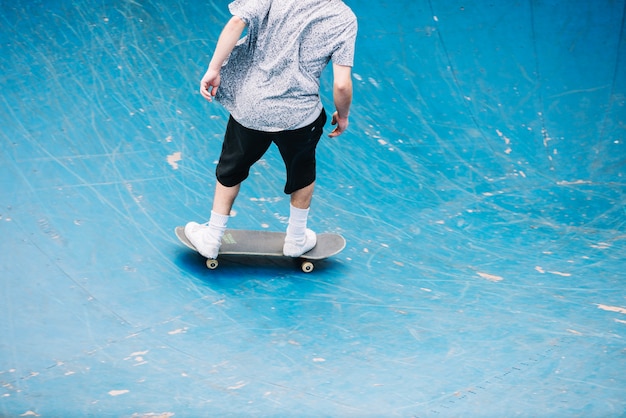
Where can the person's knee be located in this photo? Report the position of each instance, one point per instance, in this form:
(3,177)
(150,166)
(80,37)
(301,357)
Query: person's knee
(230,179)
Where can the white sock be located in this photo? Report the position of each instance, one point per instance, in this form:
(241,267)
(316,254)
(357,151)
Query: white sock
(218,221)
(297,223)
(217,225)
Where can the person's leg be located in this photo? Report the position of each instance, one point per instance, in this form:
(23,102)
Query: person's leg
(224,198)
(241,149)
(207,238)
(302,198)
(298,151)
(299,238)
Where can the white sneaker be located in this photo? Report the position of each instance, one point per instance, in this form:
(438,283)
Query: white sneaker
(295,248)
(206,240)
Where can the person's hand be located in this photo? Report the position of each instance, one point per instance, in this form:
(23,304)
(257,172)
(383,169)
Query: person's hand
(209,84)
(342,125)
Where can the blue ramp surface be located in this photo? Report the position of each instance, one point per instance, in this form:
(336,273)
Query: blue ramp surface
(481,189)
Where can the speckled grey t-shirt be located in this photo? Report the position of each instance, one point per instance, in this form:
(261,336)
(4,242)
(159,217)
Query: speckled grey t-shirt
(271,80)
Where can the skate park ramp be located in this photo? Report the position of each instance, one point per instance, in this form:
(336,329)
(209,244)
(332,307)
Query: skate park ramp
(481,189)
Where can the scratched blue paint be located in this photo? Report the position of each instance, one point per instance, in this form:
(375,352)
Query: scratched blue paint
(480,188)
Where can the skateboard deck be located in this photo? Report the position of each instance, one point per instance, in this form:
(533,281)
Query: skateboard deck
(269,244)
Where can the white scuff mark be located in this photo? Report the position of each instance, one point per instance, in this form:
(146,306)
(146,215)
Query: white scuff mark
(137,199)
(178,331)
(118,392)
(169,138)
(507,141)
(574,332)
(612,308)
(572,183)
(601,245)
(266,199)
(490,277)
(173,159)
(373,82)
(237,385)
(138,357)
(357,77)
(546,137)
(319,360)
(153,415)
(621,321)
(30,414)
(558,273)
(435,18)
(45,226)
(414,333)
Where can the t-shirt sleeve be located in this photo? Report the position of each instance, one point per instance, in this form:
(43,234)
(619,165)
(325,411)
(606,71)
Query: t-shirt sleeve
(250,11)
(344,53)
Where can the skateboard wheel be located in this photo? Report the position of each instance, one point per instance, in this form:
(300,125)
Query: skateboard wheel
(211,264)
(307,266)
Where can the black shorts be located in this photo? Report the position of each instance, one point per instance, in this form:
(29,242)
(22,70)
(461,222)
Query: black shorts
(243,147)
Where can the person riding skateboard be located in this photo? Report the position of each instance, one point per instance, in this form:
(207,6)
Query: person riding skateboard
(269,81)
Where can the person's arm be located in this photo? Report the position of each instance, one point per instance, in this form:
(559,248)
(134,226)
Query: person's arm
(342,96)
(225,44)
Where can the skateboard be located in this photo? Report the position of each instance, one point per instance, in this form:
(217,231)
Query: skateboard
(269,244)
